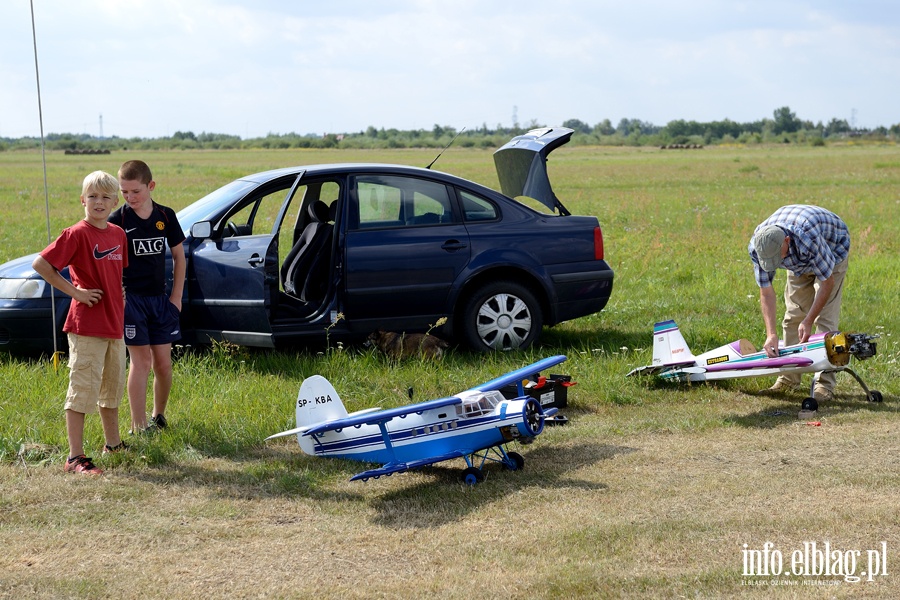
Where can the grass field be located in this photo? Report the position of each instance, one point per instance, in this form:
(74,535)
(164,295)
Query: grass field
(650,491)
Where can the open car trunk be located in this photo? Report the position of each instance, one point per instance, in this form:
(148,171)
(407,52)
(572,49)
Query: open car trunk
(522,165)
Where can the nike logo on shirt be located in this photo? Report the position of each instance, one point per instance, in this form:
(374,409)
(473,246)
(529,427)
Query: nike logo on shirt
(101,254)
(130,230)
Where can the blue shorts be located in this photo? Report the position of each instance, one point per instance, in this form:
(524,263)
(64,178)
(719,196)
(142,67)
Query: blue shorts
(151,321)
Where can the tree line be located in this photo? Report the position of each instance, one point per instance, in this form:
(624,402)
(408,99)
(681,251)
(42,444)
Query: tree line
(783,127)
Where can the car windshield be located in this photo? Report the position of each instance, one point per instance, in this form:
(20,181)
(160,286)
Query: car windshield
(210,205)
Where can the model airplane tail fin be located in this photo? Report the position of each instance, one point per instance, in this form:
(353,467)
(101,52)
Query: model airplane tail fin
(317,402)
(669,346)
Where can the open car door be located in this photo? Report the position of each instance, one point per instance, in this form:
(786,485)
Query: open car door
(233,275)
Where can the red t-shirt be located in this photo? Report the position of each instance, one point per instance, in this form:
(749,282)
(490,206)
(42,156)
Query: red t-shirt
(96,258)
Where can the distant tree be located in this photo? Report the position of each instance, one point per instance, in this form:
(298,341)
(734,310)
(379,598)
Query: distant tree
(837,127)
(785,121)
(577,125)
(604,127)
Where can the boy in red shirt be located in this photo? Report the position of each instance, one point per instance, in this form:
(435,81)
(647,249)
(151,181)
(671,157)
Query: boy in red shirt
(96,253)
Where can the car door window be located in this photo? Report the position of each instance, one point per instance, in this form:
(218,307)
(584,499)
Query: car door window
(256,215)
(476,208)
(391,201)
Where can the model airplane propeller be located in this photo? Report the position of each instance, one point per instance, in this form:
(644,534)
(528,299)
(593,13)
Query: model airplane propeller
(824,352)
(474,425)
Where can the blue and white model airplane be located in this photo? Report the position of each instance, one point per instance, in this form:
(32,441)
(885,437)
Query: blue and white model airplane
(673,360)
(473,425)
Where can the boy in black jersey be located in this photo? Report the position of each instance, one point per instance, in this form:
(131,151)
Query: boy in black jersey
(152,318)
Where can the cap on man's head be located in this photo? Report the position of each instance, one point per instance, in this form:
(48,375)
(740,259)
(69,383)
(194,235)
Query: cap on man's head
(767,241)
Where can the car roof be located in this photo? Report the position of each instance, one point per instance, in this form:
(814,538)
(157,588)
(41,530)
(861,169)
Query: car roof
(344,168)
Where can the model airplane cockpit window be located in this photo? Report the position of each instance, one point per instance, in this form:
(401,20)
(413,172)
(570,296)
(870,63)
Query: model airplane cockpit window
(478,403)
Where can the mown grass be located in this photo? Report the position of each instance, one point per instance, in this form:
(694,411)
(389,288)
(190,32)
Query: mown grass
(650,491)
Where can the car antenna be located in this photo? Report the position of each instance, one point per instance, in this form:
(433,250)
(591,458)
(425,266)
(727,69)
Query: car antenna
(445,147)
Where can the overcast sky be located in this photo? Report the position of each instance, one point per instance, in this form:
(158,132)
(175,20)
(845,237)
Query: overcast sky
(251,67)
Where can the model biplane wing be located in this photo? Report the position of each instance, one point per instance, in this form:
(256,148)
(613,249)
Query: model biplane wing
(391,468)
(380,416)
(519,375)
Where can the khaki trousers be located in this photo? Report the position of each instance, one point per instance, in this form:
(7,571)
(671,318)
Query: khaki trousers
(799,292)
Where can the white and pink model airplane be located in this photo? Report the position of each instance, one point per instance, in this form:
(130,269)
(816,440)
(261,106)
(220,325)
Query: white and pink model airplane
(673,360)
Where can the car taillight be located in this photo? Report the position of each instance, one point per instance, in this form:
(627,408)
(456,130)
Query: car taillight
(598,244)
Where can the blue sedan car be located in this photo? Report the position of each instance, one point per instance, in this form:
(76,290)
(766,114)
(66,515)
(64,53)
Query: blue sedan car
(289,256)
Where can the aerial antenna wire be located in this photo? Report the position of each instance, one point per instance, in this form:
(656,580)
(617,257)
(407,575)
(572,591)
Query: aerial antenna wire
(445,147)
(37,76)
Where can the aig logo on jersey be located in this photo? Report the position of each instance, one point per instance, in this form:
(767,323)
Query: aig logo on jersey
(148,247)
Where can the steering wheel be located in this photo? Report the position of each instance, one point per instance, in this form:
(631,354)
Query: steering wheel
(232,229)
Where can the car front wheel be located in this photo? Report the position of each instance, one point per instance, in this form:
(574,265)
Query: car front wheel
(502,316)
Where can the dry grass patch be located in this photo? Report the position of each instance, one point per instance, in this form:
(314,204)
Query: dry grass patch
(651,511)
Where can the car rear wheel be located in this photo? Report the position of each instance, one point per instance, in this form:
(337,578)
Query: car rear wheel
(501,316)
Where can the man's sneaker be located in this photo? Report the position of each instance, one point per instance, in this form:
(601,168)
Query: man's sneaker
(82,464)
(159,421)
(822,394)
(780,387)
(150,429)
(107,449)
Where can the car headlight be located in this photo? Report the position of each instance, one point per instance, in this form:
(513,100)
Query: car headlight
(21,289)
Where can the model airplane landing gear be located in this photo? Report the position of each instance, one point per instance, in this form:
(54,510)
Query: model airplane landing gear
(516,461)
(512,461)
(472,475)
(871,395)
(808,409)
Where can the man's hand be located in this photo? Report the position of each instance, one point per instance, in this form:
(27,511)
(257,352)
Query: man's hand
(804,330)
(89,297)
(771,346)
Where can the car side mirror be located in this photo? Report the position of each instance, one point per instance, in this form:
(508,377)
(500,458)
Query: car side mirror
(201,230)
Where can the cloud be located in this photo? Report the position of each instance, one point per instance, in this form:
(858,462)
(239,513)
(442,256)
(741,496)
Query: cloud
(249,68)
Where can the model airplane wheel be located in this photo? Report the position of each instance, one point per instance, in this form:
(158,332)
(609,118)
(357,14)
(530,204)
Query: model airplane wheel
(472,475)
(875,396)
(516,461)
(810,404)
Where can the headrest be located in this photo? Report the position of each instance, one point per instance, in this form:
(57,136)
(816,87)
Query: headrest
(318,211)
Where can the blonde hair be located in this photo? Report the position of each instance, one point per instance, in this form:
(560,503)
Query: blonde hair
(100,181)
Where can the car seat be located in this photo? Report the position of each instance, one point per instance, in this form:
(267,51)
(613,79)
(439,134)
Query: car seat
(298,262)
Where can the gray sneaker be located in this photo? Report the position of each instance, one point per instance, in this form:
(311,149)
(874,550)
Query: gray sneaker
(822,394)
